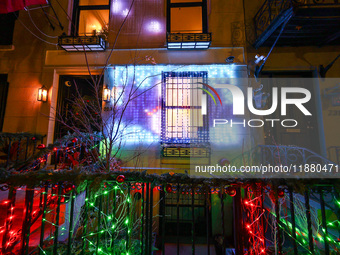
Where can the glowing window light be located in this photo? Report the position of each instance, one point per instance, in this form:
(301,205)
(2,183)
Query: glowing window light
(146,128)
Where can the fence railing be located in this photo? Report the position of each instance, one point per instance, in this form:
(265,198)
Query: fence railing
(24,152)
(44,211)
(287,155)
(113,214)
(134,213)
(16,149)
(298,160)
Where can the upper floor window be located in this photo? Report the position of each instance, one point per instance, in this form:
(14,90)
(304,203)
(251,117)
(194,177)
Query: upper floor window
(7,22)
(187,16)
(90,17)
(182,119)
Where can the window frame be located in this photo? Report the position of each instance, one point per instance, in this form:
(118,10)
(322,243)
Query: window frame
(76,14)
(181,202)
(202,4)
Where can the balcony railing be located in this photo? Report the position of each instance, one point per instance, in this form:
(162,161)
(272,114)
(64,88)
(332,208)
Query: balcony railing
(188,41)
(82,43)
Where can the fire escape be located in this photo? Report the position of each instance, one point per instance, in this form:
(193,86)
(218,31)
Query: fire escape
(298,23)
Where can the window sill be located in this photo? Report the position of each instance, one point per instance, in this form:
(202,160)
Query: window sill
(7,47)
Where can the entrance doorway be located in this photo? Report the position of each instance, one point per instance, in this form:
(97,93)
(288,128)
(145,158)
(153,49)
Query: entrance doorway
(71,90)
(306,133)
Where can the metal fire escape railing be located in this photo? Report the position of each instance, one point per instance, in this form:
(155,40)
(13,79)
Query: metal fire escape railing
(273,9)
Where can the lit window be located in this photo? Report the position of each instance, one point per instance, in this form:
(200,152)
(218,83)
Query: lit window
(91,17)
(187,16)
(182,119)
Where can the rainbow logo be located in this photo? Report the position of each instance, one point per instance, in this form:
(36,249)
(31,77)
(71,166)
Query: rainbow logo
(213,90)
(204,97)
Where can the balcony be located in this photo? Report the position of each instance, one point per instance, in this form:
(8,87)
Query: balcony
(176,41)
(303,23)
(82,43)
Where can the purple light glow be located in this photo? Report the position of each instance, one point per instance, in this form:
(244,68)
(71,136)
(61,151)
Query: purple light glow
(154,27)
(117,6)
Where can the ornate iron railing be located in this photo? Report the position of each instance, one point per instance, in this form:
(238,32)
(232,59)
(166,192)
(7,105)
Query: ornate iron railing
(116,212)
(279,155)
(290,155)
(16,149)
(82,43)
(300,162)
(272,8)
(24,152)
(126,213)
(187,41)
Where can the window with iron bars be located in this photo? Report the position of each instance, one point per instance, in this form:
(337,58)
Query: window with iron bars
(182,118)
(179,216)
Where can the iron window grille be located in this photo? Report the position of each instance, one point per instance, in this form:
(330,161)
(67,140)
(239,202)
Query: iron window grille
(182,120)
(182,216)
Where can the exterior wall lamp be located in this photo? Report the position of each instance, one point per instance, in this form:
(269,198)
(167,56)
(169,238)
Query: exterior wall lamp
(42,94)
(107,95)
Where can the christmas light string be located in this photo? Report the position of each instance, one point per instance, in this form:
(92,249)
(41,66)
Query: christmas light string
(253,226)
(253,203)
(55,150)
